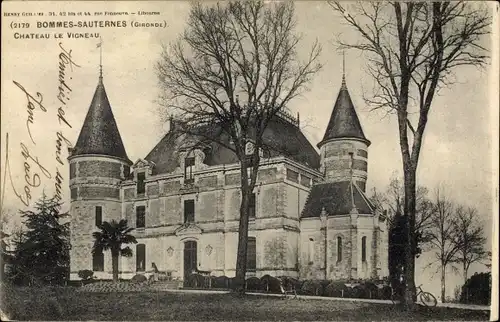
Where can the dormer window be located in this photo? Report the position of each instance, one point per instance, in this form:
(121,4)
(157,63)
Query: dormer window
(188,170)
(141,182)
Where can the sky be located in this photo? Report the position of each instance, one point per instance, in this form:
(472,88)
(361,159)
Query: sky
(459,150)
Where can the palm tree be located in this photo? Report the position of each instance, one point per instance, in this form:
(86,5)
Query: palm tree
(112,236)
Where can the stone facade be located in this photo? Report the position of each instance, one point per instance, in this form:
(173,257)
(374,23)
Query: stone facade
(185,209)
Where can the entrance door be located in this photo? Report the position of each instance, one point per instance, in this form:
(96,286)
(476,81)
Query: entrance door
(190,258)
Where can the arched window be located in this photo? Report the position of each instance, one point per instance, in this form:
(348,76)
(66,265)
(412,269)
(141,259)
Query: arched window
(339,249)
(363,249)
(311,250)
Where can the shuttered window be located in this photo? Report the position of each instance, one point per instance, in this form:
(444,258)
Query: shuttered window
(251,254)
(140,213)
(188,211)
(98,216)
(140,253)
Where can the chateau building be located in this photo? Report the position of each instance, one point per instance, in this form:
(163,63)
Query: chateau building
(309,216)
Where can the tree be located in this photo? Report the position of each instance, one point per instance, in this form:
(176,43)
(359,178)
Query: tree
(470,239)
(392,199)
(112,236)
(41,252)
(234,68)
(6,256)
(412,49)
(477,289)
(442,236)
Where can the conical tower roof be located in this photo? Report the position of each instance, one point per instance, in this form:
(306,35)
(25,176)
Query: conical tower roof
(99,134)
(344,121)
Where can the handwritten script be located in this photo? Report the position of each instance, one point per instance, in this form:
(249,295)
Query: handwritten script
(34,171)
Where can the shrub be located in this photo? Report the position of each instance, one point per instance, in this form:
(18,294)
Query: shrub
(221,282)
(290,283)
(477,289)
(336,289)
(311,287)
(195,280)
(253,284)
(371,290)
(385,292)
(138,278)
(270,284)
(360,292)
(86,274)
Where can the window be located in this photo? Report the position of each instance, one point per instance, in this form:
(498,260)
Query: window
(363,249)
(252,253)
(292,175)
(98,262)
(251,207)
(311,250)
(188,211)
(140,216)
(98,216)
(141,182)
(339,249)
(140,253)
(188,170)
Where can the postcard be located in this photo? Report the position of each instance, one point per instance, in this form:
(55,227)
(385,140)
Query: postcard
(249,160)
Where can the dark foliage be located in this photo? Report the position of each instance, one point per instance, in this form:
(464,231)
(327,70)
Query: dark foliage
(270,284)
(221,282)
(312,287)
(41,254)
(336,289)
(398,243)
(477,289)
(253,284)
(86,274)
(112,236)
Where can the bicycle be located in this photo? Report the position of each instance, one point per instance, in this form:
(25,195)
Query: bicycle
(425,297)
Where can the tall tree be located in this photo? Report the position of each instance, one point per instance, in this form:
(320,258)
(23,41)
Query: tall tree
(470,239)
(412,48)
(41,252)
(235,67)
(392,199)
(442,237)
(112,236)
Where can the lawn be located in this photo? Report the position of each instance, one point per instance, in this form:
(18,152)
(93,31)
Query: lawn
(69,304)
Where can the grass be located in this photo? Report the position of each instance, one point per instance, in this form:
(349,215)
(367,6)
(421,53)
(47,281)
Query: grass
(69,304)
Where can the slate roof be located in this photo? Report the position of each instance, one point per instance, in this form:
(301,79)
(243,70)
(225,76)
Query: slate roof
(337,199)
(99,133)
(344,122)
(282,137)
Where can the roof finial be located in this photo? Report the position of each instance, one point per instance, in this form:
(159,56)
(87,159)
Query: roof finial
(99,45)
(344,86)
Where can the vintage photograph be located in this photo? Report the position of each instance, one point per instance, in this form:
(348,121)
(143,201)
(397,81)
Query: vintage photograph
(249,160)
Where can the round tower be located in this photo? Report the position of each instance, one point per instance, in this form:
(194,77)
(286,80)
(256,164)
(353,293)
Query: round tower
(98,164)
(344,148)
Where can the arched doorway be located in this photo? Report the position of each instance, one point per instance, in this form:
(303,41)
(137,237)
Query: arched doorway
(190,258)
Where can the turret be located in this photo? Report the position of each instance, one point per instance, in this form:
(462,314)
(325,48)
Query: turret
(98,164)
(344,148)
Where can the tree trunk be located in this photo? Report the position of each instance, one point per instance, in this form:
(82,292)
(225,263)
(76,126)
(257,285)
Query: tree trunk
(465,273)
(443,283)
(114,261)
(410,196)
(241,258)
